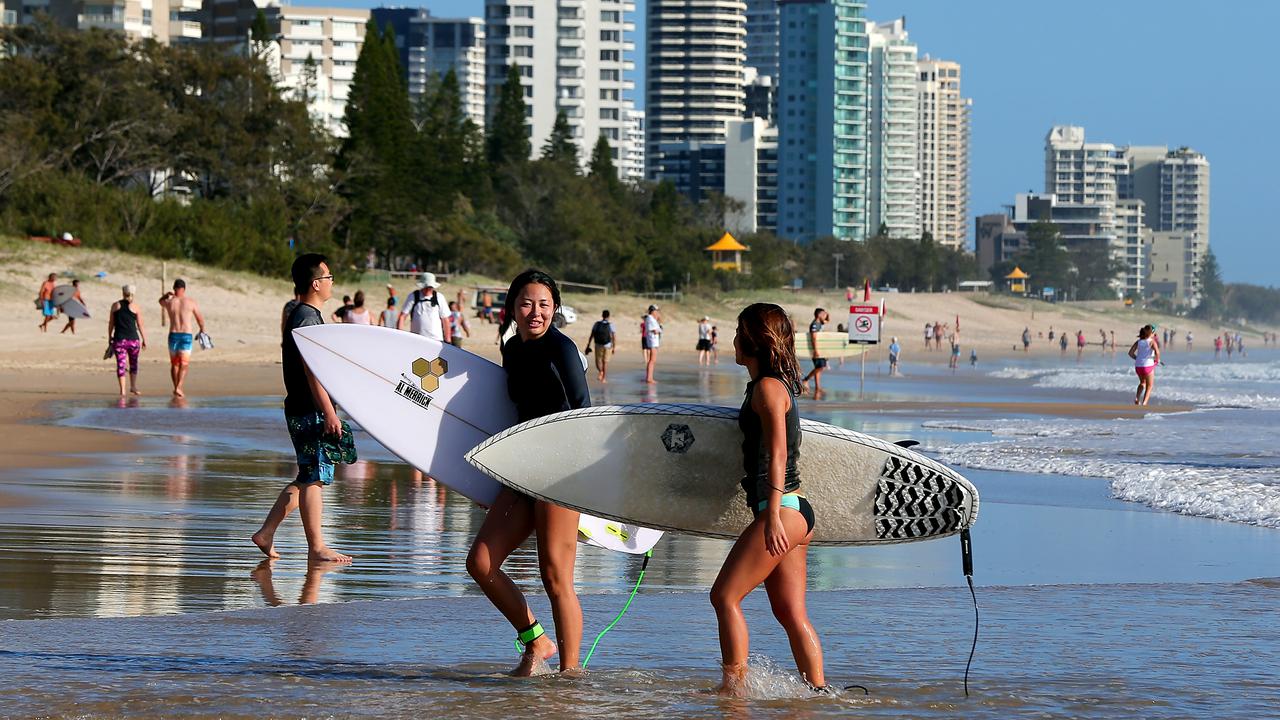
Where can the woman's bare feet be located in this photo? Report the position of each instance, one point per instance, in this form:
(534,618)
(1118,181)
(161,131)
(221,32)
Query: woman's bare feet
(535,653)
(734,683)
(265,544)
(327,554)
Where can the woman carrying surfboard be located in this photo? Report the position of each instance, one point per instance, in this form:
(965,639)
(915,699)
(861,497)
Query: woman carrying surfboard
(545,375)
(773,549)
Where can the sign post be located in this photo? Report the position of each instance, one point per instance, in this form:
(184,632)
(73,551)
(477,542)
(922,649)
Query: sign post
(864,329)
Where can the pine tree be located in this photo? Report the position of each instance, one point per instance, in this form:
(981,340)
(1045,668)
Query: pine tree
(560,147)
(601,166)
(1213,293)
(259,31)
(508,141)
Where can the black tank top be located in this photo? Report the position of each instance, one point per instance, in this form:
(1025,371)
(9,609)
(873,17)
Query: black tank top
(126,322)
(755,456)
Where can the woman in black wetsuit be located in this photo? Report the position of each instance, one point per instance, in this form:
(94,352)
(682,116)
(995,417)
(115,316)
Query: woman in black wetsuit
(774,547)
(545,375)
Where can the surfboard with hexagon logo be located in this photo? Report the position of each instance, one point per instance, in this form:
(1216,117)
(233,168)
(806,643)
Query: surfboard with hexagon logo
(678,468)
(429,403)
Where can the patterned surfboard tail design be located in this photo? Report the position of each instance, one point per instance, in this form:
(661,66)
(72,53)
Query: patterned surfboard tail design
(914,501)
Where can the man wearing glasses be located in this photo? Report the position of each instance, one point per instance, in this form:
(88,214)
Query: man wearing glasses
(313,422)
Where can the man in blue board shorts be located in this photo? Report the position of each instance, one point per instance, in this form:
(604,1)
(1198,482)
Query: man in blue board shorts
(820,320)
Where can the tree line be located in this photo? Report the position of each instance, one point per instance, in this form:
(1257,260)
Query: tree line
(196,151)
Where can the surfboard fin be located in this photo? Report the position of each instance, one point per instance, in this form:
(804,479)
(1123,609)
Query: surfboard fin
(907,443)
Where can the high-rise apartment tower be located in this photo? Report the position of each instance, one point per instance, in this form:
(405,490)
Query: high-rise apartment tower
(943,151)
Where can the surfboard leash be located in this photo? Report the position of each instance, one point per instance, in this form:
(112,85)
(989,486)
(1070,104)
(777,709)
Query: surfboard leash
(966,558)
(643,567)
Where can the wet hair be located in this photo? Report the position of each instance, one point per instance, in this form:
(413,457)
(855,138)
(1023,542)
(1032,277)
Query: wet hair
(359,299)
(306,268)
(528,277)
(765,333)
(1145,332)
(179,284)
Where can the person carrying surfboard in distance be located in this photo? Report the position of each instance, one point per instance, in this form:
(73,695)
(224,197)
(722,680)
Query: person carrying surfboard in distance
(545,375)
(773,549)
(820,320)
(75,295)
(314,427)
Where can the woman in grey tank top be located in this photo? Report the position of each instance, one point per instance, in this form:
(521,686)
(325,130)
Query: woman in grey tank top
(773,549)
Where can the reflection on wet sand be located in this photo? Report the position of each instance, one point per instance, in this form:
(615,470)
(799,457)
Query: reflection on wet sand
(310,593)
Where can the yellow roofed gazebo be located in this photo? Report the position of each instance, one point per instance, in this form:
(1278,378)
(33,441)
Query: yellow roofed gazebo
(1017,280)
(726,253)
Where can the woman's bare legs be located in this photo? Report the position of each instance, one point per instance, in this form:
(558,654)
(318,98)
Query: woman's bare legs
(557,530)
(748,565)
(508,523)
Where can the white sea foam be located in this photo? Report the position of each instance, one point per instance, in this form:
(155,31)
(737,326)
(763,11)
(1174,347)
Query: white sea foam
(1220,384)
(1216,463)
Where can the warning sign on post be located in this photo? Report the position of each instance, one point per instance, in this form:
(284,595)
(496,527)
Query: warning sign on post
(864,324)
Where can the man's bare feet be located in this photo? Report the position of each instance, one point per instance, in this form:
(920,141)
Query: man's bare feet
(535,656)
(265,544)
(135,391)
(326,554)
(177,392)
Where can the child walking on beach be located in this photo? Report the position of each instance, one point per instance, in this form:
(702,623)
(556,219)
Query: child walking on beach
(1146,356)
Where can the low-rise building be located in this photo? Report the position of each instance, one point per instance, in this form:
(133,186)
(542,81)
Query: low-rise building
(1173,258)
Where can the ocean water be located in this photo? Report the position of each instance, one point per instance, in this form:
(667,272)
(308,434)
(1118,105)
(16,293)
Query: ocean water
(1124,568)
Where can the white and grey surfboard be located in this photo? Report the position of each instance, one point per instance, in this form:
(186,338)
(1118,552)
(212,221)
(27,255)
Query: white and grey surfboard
(678,467)
(428,402)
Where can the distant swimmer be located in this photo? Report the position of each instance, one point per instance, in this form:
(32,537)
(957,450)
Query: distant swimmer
(773,549)
(184,318)
(126,338)
(544,376)
(319,437)
(1146,356)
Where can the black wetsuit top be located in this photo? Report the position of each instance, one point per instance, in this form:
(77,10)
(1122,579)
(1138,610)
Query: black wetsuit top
(126,323)
(545,376)
(755,456)
(297,391)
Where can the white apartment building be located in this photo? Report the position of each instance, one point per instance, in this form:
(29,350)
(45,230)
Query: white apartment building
(438,45)
(1134,237)
(893,178)
(1184,194)
(943,155)
(751,175)
(573,56)
(1081,172)
(165,21)
(631,169)
(696,50)
(331,38)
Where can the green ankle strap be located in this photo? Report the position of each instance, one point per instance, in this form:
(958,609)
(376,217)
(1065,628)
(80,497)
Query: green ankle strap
(529,634)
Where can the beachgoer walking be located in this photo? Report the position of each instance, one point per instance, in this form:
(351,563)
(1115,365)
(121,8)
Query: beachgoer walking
(894,351)
(390,317)
(973,358)
(1217,346)
(605,338)
(458,325)
(126,337)
(773,549)
(1062,341)
(1103,333)
(1080,343)
(820,319)
(955,352)
(75,295)
(1050,333)
(1026,339)
(340,315)
(359,314)
(544,376)
(45,297)
(653,337)
(184,318)
(1146,356)
(1190,339)
(928,335)
(939,331)
(314,428)
(428,314)
(1226,340)
(704,341)
(715,345)
(1113,341)
(1240,345)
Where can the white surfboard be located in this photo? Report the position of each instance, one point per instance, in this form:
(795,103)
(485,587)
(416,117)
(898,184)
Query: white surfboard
(429,403)
(678,467)
(830,345)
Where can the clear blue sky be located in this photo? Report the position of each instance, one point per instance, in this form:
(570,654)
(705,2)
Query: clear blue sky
(1142,72)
